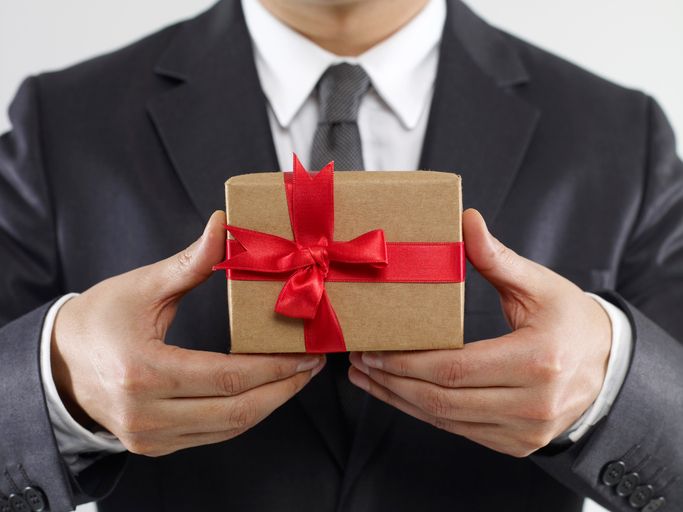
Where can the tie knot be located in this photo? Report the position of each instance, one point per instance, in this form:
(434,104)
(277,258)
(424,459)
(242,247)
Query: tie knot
(340,90)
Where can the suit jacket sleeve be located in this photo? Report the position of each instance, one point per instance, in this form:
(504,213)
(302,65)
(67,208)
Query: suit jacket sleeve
(29,283)
(644,428)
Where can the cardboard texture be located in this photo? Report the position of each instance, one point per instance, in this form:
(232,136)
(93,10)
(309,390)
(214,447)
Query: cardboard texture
(410,206)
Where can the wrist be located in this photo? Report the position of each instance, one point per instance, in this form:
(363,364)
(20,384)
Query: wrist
(61,373)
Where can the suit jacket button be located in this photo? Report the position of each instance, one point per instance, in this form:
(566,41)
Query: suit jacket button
(627,484)
(35,498)
(641,495)
(18,503)
(612,473)
(654,504)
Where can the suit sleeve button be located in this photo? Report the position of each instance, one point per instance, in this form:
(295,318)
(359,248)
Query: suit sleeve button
(35,498)
(654,504)
(641,495)
(627,484)
(612,473)
(18,503)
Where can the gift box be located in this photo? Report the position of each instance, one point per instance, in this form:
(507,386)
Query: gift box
(353,260)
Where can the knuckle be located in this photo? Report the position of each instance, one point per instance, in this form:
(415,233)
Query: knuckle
(242,414)
(128,424)
(520,452)
(184,260)
(132,423)
(132,379)
(382,378)
(546,409)
(294,384)
(450,373)
(382,393)
(385,395)
(235,432)
(298,382)
(440,423)
(231,382)
(537,440)
(397,364)
(548,367)
(402,366)
(435,402)
(280,371)
(133,444)
(143,446)
(506,257)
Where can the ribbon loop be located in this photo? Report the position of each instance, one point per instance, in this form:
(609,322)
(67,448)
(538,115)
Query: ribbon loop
(367,249)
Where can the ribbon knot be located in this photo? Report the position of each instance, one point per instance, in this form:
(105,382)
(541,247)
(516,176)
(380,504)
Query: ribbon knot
(320,257)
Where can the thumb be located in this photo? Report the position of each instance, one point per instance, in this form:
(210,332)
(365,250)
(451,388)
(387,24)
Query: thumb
(507,271)
(178,274)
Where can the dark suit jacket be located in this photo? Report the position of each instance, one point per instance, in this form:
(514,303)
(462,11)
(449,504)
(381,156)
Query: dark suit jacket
(118,162)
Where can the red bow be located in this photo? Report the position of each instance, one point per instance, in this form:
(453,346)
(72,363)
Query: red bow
(307,267)
(307,260)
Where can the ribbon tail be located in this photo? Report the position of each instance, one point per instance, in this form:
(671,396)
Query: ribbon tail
(300,296)
(323,334)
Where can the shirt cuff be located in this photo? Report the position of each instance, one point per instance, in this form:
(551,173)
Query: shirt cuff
(78,446)
(617,367)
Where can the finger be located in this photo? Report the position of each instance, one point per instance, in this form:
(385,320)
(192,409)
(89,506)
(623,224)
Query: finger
(485,363)
(191,440)
(487,405)
(500,265)
(240,412)
(196,373)
(464,428)
(174,276)
(157,443)
(502,437)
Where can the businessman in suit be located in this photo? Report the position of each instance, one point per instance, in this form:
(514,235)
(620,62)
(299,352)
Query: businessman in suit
(116,385)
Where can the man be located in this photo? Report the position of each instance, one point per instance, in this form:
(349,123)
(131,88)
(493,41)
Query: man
(124,393)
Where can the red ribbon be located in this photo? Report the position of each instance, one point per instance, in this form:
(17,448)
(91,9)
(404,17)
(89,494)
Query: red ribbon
(315,257)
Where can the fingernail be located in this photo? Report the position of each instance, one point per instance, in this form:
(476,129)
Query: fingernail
(360,380)
(318,368)
(372,360)
(308,364)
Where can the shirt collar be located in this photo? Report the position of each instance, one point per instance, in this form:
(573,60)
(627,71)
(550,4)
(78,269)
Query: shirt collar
(402,68)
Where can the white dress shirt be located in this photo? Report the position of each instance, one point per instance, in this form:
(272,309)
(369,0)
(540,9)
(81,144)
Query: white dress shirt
(392,122)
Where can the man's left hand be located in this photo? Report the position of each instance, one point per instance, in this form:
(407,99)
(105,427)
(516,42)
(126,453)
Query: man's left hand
(516,393)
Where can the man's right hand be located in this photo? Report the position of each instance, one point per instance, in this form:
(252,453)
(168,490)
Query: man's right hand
(113,369)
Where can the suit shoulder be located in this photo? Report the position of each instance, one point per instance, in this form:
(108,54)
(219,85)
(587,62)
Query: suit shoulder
(557,81)
(129,66)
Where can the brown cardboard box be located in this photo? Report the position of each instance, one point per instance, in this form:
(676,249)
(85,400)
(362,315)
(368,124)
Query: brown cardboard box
(419,206)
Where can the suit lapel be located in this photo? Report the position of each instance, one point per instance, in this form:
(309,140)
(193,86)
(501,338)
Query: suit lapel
(476,128)
(213,124)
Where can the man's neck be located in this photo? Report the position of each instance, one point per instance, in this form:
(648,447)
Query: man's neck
(345,27)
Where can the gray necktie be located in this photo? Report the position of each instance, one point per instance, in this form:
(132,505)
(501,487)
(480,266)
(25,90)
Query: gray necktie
(337,138)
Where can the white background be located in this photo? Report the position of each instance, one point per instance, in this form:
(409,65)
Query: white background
(635,43)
